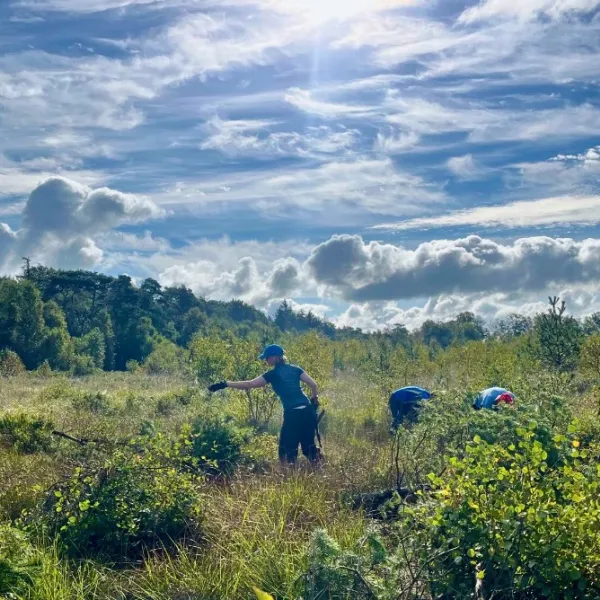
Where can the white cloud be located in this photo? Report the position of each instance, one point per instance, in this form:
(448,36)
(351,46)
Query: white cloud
(61,216)
(357,271)
(373,316)
(564,210)
(248,138)
(465,167)
(485,125)
(303,100)
(336,192)
(395,142)
(525,11)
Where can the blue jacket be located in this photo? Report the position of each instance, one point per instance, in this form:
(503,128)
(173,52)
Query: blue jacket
(410,394)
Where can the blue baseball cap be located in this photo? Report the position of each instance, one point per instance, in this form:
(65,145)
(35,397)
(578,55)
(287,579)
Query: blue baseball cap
(272,350)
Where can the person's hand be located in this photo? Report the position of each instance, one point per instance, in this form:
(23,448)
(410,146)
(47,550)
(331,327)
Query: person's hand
(215,387)
(315,401)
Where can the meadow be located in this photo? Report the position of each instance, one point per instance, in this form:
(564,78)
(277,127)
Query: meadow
(140,485)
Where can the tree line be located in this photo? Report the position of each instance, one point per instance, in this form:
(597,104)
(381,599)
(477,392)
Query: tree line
(82,321)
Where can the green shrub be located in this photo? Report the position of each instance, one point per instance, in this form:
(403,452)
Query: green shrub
(82,365)
(132,366)
(506,517)
(10,364)
(217,444)
(44,370)
(364,571)
(166,405)
(165,359)
(138,499)
(25,433)
(94,402)
(17,562)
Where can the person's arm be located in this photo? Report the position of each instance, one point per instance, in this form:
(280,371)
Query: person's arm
(258,382)
(311,383)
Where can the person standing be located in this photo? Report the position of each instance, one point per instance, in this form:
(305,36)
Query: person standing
(300,421)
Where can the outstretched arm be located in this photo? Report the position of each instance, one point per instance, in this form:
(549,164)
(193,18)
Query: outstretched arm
(248,385)
(311,383)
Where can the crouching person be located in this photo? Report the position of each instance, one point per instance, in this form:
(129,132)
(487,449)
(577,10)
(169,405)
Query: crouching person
(493,398)
(405,404)
(300,422)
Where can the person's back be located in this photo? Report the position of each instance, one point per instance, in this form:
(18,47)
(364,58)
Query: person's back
(405,402)
(488,399)
(285,381)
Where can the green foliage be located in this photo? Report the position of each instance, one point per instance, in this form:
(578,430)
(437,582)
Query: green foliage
(589,363)
(92,344)
(26,433)
(10,364)
(18,567)
(511,518)
(94,402)
(558,338)
(364,571)
(165,359)
(217,444)
(211,358)
(139,498)
(82,365)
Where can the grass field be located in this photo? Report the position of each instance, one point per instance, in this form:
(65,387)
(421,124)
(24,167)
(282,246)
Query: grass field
(259,524)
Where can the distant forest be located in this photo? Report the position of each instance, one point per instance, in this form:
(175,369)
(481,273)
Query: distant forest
(82,321)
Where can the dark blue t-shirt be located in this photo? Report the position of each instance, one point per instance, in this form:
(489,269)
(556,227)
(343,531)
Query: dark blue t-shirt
(285,380)
(409,394)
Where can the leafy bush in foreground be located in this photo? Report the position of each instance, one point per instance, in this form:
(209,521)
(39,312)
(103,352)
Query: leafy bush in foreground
(508,519)
(135,501)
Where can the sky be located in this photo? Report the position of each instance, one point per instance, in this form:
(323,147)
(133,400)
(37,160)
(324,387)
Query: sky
(379,162)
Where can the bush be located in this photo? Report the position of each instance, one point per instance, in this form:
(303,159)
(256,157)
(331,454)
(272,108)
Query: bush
(44,370)
(25,433)
(217,444)
(510,520)
(17,562)
(94,402)
(137,500)
(10,364)
(165,359)
(82,365)
(365,571)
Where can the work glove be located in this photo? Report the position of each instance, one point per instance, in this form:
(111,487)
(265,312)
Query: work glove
(315,401)
(215,387)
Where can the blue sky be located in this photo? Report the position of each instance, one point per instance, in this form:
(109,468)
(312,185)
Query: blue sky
(381,161)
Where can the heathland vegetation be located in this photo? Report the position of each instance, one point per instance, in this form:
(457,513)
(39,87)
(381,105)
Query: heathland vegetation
(121,477)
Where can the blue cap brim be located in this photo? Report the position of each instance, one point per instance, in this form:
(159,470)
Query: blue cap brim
(262,357)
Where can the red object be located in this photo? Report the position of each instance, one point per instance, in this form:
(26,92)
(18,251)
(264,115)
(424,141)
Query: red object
(506,397)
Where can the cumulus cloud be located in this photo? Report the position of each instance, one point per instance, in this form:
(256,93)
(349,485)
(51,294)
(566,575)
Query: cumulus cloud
(59,219)
(561,210)
(243,282)
(359,271)
(491,307)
